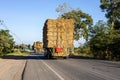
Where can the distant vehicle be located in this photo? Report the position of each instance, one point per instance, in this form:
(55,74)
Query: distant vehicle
(27,49)
(58,37)
(38,47)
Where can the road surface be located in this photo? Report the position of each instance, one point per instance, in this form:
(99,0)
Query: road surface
(38,68)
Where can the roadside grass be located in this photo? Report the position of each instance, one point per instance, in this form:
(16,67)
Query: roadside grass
(80,52)
(83,55)
(16,53)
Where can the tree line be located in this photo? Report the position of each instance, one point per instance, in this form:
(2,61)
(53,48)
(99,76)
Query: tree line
(103,38)
(105,41)
(6,42)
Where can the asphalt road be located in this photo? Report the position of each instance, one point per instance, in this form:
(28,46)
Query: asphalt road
(39,68)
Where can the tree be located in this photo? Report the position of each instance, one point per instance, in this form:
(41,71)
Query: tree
(82,21)
(100,27)
(112,9)
(23,46)
(6,41)
(63,8)
(29,46)
(104,45)
(100,41)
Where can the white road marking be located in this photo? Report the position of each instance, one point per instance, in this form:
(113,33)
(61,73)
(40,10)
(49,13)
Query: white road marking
(61,78)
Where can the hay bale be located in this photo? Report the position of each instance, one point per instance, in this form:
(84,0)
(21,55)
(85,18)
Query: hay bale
(58,33)
(38,44)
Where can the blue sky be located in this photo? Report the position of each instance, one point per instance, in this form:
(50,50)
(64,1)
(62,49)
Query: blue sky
(26,18)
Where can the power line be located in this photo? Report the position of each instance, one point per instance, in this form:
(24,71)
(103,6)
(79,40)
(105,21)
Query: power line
(3,24)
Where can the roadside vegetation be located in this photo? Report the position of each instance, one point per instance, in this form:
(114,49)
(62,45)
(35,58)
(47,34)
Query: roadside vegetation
(17,52)
(103,38)
(6,42)
(8,47)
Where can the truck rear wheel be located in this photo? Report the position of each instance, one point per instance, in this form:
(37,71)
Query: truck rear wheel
(66,57)
(48,56)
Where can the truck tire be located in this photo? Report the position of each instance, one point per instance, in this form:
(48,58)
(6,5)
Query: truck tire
(49,56)
(66,57)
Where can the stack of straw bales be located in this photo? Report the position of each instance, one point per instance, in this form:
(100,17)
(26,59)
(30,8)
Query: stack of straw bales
(38,44)
(58,33)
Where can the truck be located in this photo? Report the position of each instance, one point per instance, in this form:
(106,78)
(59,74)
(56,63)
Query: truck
(38,47)
(58,37)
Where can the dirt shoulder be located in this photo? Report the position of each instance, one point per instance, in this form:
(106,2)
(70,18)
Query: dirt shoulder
(11,69)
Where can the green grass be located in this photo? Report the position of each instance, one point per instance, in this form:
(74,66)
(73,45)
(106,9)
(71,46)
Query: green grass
(17,54)
(83,55)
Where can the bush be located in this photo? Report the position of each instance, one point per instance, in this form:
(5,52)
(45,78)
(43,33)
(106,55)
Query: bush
(106,46)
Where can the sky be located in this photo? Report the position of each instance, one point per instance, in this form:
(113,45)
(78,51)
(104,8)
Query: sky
(25,18)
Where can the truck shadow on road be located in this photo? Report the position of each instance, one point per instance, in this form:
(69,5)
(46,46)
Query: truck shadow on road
(40,56)
(80,57)
(23,57)
(32,55)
